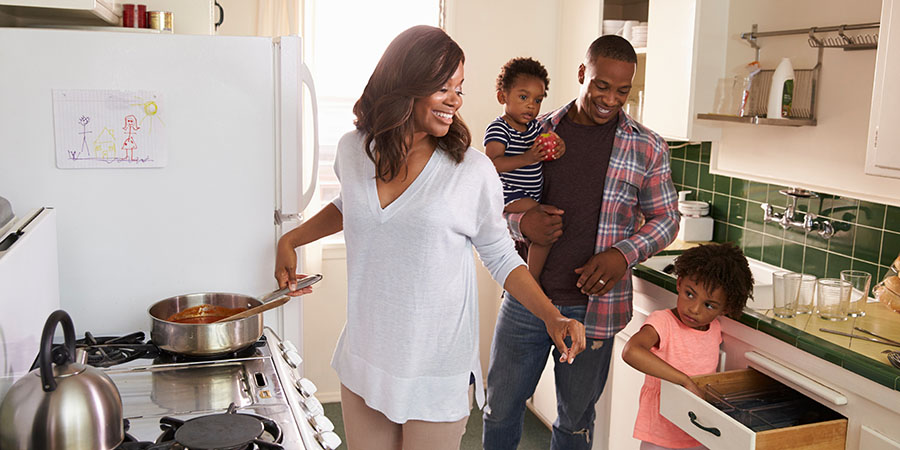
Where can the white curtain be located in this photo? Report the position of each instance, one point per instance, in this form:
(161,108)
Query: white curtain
(278,17)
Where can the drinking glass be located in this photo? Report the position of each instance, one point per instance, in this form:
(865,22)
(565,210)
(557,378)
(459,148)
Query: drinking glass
(786,286)
(807,294)
(859,293)
(832,298)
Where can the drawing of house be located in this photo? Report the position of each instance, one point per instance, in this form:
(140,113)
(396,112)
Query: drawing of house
(105,145)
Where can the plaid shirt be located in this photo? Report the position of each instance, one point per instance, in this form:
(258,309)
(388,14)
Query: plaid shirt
(639,215)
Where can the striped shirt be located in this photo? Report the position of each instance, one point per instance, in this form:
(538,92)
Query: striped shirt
(639,215)
(526,181)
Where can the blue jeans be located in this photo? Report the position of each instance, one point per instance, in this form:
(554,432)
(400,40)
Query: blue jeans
(518,356)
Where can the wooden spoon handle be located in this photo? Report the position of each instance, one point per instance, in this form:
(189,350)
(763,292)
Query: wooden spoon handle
(256,310)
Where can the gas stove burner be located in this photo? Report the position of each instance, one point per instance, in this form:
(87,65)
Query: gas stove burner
(164,357)
(226,431)
(112,350)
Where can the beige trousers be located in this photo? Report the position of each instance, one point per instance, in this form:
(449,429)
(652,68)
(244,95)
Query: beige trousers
(368,429)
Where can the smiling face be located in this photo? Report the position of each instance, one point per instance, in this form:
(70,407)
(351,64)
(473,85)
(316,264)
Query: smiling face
(696,306)
(522,102)
(433,115)
(605,85)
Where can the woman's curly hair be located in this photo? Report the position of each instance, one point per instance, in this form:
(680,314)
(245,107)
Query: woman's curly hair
(717,266)
(517,67)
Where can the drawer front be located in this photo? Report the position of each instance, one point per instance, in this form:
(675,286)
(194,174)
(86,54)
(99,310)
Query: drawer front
(717,430)
(690,413)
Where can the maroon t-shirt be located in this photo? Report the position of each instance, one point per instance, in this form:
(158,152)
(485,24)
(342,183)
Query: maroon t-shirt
(574,183)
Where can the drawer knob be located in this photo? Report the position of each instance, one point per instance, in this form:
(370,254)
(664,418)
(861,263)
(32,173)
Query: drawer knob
(714,431)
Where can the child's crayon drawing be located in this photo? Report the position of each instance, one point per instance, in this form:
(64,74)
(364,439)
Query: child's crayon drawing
(109,129)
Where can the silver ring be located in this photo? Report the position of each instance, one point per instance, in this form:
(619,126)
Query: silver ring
(601,282)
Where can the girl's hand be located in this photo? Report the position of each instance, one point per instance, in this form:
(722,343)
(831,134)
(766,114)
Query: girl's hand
(536,153)
(691,386)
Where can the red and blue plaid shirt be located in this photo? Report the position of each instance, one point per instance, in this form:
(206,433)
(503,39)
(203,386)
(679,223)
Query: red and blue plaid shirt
(639,215)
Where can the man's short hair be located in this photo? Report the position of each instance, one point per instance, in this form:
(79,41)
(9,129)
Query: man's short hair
(613,47)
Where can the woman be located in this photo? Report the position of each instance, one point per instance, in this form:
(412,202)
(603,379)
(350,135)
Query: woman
(414,201)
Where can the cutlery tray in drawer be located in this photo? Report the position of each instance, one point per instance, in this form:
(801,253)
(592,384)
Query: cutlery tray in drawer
(745,409)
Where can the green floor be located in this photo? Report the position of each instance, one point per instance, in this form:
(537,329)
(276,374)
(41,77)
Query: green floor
(535,437)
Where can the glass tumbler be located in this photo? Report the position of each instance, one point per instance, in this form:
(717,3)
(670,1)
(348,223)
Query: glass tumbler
(786,286)
(807,294)
(832,298)
(859,292)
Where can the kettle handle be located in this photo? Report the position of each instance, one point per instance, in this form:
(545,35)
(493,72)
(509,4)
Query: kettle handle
(45,356)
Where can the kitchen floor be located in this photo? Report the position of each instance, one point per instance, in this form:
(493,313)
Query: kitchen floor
(535,437)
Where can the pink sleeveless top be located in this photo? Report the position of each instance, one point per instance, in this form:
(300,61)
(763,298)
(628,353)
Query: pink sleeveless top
(691,351)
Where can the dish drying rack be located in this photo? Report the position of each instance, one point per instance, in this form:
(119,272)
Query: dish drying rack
(806,81)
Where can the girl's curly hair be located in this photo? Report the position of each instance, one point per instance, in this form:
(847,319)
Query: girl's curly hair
(517,67)
(719,266)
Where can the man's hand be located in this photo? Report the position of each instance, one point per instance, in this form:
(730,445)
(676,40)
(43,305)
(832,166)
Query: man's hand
(601,272)
(542,224)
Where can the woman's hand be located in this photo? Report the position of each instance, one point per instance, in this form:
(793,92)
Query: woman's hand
(286,266)
(559,328)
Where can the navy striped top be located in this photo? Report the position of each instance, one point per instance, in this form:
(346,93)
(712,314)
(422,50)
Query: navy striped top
(527,181)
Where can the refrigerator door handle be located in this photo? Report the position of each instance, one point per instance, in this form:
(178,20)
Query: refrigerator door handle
(281,217)
(306,197)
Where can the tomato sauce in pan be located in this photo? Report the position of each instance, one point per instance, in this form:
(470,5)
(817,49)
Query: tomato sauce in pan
(203,314)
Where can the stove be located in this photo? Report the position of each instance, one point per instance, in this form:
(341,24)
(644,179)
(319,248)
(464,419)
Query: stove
(252,399)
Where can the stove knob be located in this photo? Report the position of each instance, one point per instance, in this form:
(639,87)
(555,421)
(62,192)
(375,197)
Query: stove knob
(305,387)
(287,346)
(293,358)
(321,424)
(329,440)
(313,406)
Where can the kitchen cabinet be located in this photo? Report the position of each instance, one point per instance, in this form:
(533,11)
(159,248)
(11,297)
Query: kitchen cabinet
(686,43)
(882,157)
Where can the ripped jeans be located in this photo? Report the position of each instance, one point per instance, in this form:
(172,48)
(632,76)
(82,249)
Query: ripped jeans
(518,356)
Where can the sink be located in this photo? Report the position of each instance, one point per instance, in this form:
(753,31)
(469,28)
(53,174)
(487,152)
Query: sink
(762,277)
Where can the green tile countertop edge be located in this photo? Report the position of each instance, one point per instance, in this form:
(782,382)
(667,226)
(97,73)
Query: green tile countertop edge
(861,365)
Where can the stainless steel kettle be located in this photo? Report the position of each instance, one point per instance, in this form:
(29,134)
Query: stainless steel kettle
(68,405)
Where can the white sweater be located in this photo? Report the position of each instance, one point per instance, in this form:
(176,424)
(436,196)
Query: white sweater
(411,338)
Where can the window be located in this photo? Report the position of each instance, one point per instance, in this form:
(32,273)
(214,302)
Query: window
(344,43)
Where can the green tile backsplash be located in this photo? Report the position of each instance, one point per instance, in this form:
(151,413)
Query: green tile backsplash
(867,235)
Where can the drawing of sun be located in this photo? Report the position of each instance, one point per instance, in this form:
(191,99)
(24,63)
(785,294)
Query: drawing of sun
(151,111)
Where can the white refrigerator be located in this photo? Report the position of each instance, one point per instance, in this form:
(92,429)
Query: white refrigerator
(231,167)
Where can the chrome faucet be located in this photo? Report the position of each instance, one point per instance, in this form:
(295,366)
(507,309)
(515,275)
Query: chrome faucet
(791,218)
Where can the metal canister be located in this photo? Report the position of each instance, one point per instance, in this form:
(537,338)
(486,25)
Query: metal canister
(156,20)
(169,23)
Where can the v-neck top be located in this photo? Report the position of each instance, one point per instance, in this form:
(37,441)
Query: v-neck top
(410,344)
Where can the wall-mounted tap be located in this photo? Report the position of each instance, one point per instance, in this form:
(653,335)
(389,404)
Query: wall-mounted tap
(791,218)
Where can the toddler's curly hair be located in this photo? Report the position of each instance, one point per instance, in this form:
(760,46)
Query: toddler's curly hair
(719,266)
(517,67)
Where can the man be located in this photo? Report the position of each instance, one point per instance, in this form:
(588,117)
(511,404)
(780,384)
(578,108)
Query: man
(614,205)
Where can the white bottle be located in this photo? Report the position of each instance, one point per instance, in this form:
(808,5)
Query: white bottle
(781,92)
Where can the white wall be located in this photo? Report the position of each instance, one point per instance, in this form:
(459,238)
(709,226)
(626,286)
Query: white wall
(829,157)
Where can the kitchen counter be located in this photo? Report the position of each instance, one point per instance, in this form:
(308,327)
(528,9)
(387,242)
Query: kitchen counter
(859,356)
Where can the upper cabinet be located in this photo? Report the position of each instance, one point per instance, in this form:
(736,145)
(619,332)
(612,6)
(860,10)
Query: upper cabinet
(882,157)
(686,45)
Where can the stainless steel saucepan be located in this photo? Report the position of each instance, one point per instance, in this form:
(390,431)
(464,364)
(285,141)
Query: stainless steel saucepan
(207,339)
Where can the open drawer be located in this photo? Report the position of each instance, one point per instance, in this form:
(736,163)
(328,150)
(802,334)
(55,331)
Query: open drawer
(745,409)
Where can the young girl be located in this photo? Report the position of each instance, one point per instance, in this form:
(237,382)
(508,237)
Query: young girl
(676,344)
(511,142)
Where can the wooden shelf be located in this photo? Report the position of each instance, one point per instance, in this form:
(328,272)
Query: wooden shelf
(756,120)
